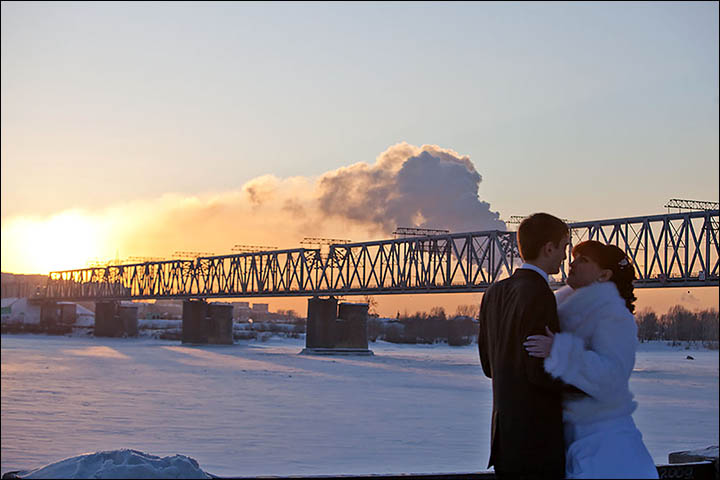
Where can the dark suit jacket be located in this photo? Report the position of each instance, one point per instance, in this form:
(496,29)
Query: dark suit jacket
(527,429)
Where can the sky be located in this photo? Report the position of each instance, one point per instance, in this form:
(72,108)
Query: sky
(143,129)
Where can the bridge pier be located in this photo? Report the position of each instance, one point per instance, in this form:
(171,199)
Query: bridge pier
(321,317)
(105,324)
(113,319)
(205,323)
(128,318)
(193,322)
(351,326)
(57,317)
(220,324)
(336,330)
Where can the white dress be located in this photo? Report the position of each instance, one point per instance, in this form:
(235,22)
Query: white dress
(595,351)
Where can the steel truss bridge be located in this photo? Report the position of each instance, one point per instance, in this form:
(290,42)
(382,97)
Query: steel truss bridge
(673,250)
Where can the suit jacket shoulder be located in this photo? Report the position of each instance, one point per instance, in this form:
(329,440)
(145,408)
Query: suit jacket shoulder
(524,288)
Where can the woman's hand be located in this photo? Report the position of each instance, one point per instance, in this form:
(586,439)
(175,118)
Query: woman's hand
(540,345)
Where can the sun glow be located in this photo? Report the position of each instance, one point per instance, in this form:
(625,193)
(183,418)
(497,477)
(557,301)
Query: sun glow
(64,241)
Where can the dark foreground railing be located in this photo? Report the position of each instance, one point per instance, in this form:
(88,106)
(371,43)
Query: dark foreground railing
(396,476)
(695,470)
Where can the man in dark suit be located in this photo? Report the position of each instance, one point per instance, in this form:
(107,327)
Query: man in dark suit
(527,430)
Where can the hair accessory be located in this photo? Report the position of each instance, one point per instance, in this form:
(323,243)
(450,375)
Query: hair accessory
(624,262)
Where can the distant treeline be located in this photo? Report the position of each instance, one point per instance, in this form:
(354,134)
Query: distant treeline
(433,327)
(679,324)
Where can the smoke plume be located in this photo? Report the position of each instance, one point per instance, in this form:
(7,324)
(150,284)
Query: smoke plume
(408,186)
(424,187)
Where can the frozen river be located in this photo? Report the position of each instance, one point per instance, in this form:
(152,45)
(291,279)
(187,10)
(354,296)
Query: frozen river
(261,409)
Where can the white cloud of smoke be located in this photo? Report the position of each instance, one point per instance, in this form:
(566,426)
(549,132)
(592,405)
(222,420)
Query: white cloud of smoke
(425,187)
(408,186)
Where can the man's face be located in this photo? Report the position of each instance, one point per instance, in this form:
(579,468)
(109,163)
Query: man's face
(558,254)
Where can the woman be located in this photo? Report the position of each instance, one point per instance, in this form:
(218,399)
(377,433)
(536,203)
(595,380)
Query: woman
(595,351)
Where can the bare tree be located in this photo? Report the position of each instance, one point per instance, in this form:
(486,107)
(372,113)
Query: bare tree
(472,310)
(372,305)
(647,323)
(438,312)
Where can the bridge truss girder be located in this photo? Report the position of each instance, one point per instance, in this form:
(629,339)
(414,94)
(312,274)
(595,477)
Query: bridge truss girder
(666,250)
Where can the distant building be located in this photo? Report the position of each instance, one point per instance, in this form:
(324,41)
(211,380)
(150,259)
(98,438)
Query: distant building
(160,309)
(260,307)
(17,286)
(18,310)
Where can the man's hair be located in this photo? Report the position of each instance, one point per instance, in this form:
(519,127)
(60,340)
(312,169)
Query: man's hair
(538,229)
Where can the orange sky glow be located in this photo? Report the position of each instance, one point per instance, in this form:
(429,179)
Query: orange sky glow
(202,127)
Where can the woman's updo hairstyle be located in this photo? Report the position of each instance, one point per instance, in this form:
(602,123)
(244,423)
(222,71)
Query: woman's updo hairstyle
(615,260)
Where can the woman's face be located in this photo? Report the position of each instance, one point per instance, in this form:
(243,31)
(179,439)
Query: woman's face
(584,271)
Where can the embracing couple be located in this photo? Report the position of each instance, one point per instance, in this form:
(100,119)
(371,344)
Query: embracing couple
(560,364)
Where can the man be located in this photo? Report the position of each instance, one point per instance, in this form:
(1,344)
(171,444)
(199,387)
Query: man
(527,430)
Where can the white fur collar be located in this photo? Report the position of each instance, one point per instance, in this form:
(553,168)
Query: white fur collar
(575,306)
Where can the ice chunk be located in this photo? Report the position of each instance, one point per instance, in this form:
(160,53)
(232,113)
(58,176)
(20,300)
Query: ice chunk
(124,463)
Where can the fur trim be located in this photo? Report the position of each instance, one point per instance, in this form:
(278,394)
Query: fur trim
(564,349)
(586,302)
(594,351)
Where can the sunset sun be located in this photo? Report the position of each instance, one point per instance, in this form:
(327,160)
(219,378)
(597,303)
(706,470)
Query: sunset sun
(62,242)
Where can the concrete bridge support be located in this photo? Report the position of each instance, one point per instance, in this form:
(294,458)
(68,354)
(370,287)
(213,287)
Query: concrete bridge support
(57,317)
(193,322)
(321,317)
(205,323)
(128,319)
(351,326)
(220,324)
(106,323)
(336,331)
(53,314)
(113,319)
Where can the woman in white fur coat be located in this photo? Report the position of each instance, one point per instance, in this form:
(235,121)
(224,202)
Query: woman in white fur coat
(595,351)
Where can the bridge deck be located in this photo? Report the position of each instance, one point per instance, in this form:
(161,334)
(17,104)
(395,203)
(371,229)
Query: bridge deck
(673,250)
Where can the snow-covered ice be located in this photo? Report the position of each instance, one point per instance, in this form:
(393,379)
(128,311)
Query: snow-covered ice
(259,408)
(124,463)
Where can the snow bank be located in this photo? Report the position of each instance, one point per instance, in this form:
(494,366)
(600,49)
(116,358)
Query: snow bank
(698,455)
(123,463)
(259,409)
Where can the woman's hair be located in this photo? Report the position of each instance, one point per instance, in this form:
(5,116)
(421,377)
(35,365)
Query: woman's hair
(615,260)
(537,230)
